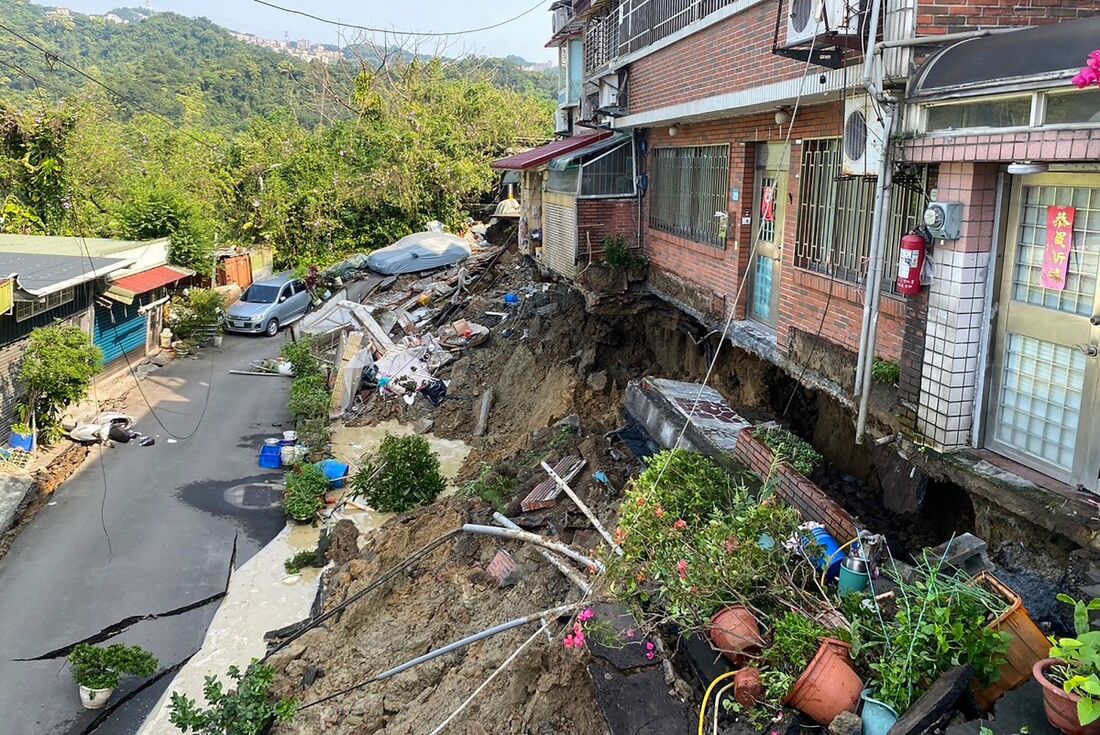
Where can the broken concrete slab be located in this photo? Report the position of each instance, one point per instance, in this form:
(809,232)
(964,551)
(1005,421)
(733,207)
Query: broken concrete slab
(936,703)
(629,655)
(669,408)
(638,702)
(967,552)
(13,490)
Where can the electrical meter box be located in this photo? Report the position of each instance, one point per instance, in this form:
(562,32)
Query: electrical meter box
(944,220)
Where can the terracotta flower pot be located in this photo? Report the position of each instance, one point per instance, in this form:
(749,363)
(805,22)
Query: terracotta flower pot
(1060,706)
(748,690)
(735,632)
(828,686)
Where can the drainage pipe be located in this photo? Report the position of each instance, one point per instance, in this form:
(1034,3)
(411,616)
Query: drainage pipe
(569,572)
(942,38)
(534,538)
(550,614)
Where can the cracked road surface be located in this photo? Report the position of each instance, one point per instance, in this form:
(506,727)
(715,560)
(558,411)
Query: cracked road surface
(176,513)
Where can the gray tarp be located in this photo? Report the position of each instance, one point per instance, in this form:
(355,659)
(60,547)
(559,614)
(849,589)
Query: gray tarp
(419,251)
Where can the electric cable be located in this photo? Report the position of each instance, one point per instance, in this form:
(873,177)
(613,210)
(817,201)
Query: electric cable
(371,29)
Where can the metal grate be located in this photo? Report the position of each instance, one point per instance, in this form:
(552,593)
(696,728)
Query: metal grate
(1084,260)
(688,186)
(559,236)
(835,216)
(1041,395)
(611,173)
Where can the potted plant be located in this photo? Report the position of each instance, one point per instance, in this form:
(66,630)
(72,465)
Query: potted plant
(22,433)
(306,485)
(735,632)
(97,670)
(1070,678)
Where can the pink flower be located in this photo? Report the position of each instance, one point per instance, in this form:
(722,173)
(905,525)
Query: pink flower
(586,615)
(659,512)
(649,646)
(682,568)
(680,524)
(649,655)
(568,641)
(1085,78)
(1094,60)
(578,640)
(630,633)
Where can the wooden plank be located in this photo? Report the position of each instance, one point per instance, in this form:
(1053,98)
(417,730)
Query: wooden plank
(362,315)
(351,347)
(483,413)
(546,492)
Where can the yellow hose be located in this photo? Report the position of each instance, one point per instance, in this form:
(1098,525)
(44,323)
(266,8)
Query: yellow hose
(828,562)
(706,698)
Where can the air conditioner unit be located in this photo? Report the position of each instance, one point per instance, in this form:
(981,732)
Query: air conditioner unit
(563,122)
(810,19)
(864,138)
(609,91)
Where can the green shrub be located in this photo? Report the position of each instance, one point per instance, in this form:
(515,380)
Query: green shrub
(306,486)
(300,356)
(196,313)
(402,474)
(314,433)
(800,453)
(616,253)
(58,366)
(885,372)
(244,709)
(303,559)
(492,487)
(309,397)
(98,667)
(687,485)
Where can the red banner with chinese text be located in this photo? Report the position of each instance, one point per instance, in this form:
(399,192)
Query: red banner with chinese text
(1059,245)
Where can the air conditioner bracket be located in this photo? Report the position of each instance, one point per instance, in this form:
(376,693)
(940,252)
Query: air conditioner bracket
(829,58)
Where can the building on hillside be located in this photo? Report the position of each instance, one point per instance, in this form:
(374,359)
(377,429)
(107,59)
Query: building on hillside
(128,304)
(782,154)
(41,289)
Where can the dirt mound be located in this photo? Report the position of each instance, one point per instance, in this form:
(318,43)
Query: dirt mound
(447,596)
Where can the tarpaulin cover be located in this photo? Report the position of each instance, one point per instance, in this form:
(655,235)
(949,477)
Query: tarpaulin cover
(419,251)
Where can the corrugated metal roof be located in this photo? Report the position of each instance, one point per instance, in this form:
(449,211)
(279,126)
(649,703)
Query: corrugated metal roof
(151,279)
(38,274)
(544,154)
(562,162)
(96,247)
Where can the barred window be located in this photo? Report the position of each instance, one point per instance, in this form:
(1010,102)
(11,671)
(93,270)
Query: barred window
(835,216)
(687,187)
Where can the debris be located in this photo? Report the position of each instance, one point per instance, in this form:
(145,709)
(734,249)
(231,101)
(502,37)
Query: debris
(423,426)
(938,701)
(546,492)
(571,574)
(147,442)
(267,373)
(483,413)
(343,545)
(462,334)
(967,552)
(749,690)
(597,381)
(503,569)
(583,508)
(846,723)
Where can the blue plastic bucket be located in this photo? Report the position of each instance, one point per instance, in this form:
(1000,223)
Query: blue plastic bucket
(271,456)
(335,470)
(878,717)
(21,441)
(831,555)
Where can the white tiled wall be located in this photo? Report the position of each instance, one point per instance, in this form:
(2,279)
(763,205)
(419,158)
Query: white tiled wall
(952,347)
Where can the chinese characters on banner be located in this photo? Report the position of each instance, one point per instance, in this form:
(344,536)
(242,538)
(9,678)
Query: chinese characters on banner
(1059,244)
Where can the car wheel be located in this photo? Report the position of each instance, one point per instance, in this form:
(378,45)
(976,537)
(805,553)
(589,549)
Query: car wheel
(272,328)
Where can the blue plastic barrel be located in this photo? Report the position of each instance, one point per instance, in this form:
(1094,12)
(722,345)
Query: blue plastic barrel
(271,456)
(830,554)
(335,470)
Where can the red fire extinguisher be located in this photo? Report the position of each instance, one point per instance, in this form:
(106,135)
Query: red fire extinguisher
(911,263)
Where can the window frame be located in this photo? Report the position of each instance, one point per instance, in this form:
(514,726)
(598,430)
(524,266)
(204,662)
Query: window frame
(1036,119)
(46,303)
(698,228)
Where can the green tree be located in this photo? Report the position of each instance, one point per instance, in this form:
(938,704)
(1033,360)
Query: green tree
(57,370)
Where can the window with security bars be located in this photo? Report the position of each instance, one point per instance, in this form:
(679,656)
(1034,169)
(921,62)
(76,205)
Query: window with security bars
(687,187)
(835,215)
(26,309)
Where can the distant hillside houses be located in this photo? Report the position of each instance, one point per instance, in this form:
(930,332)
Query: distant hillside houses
(301,49)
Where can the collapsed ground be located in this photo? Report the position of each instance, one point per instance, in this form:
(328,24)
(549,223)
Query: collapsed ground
(558,373)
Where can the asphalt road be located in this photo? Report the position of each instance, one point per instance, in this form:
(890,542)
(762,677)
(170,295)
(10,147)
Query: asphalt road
(176,516)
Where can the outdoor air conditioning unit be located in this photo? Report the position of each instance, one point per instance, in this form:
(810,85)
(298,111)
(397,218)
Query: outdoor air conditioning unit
(562,123)
(810,19)
(609,91)
(864,138)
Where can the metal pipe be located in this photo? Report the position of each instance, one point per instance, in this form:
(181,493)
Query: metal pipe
(865,325)
(942,38)
(876,262)
(569,572)
(584,508)
(487,633)
(534,538)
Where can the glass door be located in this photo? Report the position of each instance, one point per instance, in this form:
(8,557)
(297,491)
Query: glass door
(769,211)
(1045,366)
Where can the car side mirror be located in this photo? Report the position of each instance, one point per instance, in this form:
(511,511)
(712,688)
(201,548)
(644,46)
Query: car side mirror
(282,299)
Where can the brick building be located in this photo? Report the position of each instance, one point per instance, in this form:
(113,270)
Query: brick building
(768,134)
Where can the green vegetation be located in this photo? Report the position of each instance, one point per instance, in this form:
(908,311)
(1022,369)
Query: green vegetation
(246,708)
(196,313)
(303,559)
(1079,669)
(309,397)
(800,453)
(616,253)
(98,667)
(403,474)
(300,356)
(58,366)
(795,640)
(306,486)
(885,372)
(491,486)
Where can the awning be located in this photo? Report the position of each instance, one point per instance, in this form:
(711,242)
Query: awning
(127,288)
(562,162)
(1046,52)
(544,154)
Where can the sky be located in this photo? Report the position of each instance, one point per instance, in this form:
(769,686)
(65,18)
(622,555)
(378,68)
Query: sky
(525,37)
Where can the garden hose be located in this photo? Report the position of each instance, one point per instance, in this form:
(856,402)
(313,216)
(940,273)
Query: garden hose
(706,698)
(718,703)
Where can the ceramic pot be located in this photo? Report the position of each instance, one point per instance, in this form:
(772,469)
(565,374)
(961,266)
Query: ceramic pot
(748,690)
(878,717)
(828,686)
(1060,706)
(95,698)
(735,632)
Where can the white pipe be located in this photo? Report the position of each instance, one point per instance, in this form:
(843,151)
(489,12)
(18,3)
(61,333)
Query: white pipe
(152,305)
(942,38)
(569,572)
(869,285)
(534,538)
(584,508)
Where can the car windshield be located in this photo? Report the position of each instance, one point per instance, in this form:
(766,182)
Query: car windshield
(260,294)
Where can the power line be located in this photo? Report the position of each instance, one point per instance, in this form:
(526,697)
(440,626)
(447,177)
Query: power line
(371,29)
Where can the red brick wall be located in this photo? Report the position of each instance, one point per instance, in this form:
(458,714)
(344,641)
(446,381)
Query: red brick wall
(951,17)
(793,488)
(600,218)
(718,271)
